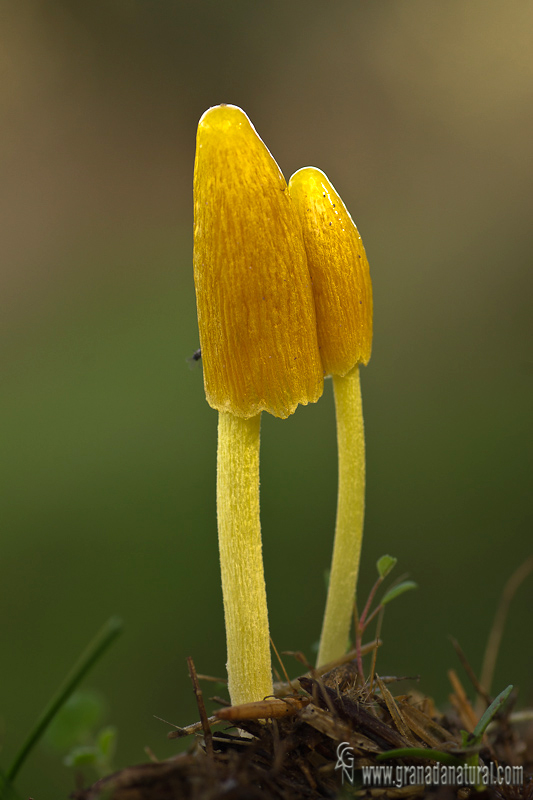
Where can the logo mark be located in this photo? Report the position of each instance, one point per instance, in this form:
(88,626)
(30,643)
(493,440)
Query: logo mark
(345,762)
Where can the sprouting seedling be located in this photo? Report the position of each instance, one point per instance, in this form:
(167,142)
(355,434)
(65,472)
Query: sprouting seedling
(384,566)
(474,739)
(257,323)
(343,298)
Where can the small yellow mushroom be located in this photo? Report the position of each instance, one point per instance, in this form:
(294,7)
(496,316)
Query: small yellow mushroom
(257,324)
(343,297)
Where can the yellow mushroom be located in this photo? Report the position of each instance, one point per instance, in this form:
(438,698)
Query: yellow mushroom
(343,298)
(257,323)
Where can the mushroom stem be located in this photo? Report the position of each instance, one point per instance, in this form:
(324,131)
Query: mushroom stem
(241,559)
(350,516)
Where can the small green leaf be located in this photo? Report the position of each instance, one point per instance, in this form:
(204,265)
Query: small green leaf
(107,740)
(75,722)
(494,707)
(81,757)
(385,565)
(396,591)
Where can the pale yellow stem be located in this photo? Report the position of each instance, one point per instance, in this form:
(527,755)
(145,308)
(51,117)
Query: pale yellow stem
(241,559)
(350,516)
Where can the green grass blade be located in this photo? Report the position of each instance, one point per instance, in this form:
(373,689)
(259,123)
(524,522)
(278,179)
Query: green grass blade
(94,651)
(7,791)
(494,707)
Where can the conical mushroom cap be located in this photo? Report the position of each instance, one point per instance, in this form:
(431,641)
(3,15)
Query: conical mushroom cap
(339,269)
(256,312)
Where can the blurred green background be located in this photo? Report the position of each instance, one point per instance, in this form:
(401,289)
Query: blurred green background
(421,114)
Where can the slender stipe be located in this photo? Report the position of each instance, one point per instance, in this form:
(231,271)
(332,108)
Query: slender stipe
(241,559)
(350,517)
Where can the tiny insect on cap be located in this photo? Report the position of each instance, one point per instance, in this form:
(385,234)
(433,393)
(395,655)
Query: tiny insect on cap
(256,312)
(339,269)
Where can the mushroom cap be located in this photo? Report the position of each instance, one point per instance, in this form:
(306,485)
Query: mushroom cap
(256,312)
(339,270)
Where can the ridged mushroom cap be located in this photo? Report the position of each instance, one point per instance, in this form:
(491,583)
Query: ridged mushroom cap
(339,270)
(256,312)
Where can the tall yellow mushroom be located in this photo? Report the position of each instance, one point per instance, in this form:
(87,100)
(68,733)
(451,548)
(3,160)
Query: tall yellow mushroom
(343,298)
(257,323)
